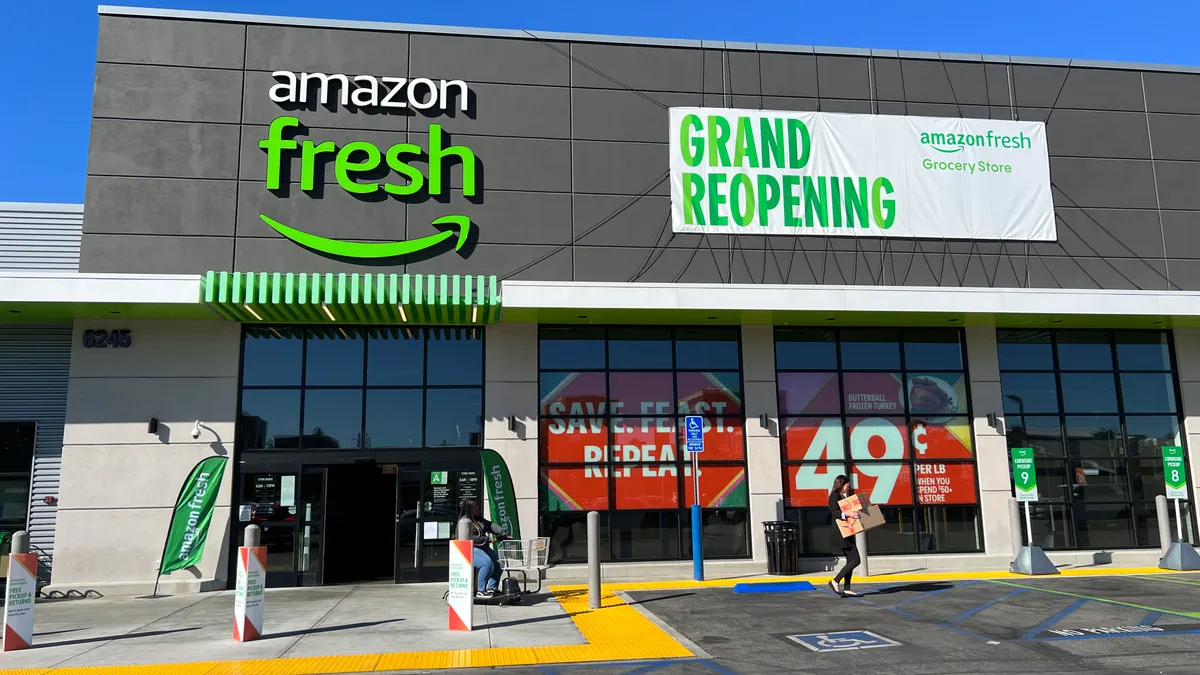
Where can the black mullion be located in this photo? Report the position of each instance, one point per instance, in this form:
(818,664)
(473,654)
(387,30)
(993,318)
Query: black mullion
(1180,417)
(425,334)
(610,477)
(680,483)
(1124,456)
(966,373)
(362,433)
(303,384)
(909,461)
(841,374)
(1068,499)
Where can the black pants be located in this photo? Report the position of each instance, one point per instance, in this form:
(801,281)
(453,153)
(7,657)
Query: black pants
(852,561)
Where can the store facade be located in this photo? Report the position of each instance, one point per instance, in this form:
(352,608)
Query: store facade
(354,256)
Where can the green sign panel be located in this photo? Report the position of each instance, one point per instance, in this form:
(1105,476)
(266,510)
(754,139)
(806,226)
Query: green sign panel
(1024,477)
(439,477)
(1173,472)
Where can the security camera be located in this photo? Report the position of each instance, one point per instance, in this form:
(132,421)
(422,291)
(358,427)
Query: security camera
(196,430)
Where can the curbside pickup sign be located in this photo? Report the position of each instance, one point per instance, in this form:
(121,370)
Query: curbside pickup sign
(1174,473)
(1024,476)
(770,172)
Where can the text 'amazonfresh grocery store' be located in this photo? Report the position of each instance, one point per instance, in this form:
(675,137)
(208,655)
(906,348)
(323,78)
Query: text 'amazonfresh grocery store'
(349,274)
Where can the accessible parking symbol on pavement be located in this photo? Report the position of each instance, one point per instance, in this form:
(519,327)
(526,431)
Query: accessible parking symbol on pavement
(841,641)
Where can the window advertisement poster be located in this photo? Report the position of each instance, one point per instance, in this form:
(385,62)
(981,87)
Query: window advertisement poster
(765,172)
(630,431)
(878,438)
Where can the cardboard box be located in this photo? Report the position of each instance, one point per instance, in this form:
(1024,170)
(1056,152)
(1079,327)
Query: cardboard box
(870,515)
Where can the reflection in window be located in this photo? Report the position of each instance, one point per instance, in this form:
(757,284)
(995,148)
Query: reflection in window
(334,358)
(394,418)
(270,419)
(396,357)
(333,392)
(895,418)
(805,349)
(610,436)
(455,356)
(272,357)
(1024,350)
(332,418)
(453,417)
(1114,419)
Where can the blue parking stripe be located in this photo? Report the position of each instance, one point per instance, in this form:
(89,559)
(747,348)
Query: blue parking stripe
(1151,618)
(973,612)
(1070,609)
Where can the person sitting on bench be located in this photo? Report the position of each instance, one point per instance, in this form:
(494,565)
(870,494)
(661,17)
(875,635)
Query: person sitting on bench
(484,558)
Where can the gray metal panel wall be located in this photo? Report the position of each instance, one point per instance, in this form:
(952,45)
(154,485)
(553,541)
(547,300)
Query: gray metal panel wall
(40,236)
(35,362)
(572,135)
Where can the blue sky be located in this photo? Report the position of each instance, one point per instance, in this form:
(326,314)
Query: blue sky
(48,48)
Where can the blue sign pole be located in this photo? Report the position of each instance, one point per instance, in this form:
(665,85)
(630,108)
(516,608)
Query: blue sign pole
(693,426)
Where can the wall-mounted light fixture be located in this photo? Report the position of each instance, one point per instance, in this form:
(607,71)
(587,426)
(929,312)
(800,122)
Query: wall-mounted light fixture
(996,422)
(152,428)
(762,419)
(512,424)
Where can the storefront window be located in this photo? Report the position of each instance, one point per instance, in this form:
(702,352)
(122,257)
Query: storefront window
(326,388)
(611,418)
(1096,407)
(890,409)
(17,441)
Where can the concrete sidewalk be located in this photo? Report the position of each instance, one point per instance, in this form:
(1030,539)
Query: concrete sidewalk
(309,622)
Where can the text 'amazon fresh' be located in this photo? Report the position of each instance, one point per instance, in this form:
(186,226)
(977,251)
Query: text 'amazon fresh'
(355,160)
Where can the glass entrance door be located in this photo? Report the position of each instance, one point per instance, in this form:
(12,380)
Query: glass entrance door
(310,548)
(427,504)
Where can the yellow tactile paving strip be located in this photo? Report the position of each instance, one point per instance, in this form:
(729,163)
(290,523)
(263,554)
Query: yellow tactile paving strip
(615,632)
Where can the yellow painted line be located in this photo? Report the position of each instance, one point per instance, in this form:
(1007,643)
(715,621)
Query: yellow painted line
(615,632)
(817,580)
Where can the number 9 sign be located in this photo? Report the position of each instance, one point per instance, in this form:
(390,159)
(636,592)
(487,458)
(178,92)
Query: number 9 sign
(875,438)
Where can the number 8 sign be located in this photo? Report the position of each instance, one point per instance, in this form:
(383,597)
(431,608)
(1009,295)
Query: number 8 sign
(1173,472)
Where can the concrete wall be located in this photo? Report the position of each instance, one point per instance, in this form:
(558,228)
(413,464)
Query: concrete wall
(763,458)
(572,136)
(991,447)
(511,369)
(119,482)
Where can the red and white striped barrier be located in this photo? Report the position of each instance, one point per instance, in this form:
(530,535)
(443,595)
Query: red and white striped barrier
(461,597)
(18,603)
(248,598)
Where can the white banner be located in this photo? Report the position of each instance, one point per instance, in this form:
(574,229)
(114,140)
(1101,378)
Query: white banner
(18,601)
(793,173)
(461,597)
(249,593)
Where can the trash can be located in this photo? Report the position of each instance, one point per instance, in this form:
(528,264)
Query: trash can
(783,547)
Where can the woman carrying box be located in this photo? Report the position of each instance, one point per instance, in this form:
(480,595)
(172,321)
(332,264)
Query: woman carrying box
(841,490)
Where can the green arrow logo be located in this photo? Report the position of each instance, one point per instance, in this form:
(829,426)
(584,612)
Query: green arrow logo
(350,249)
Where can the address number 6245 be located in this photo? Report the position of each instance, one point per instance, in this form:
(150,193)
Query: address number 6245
(100,339)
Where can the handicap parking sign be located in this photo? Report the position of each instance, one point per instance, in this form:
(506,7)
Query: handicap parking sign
(841,641)
(693,428)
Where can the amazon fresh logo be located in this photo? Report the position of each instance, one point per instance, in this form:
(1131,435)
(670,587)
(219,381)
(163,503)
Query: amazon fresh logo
(363,168)
(950,143)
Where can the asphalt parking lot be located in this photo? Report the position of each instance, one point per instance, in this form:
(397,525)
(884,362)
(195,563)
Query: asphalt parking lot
(1113,625)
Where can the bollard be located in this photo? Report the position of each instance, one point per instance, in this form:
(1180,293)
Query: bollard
(593,555)
(860,542)
(253,537)
(1014,525)
(1164,523)
(250,591)
(21,594)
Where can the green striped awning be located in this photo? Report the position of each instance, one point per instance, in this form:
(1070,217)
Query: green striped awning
(406,299)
